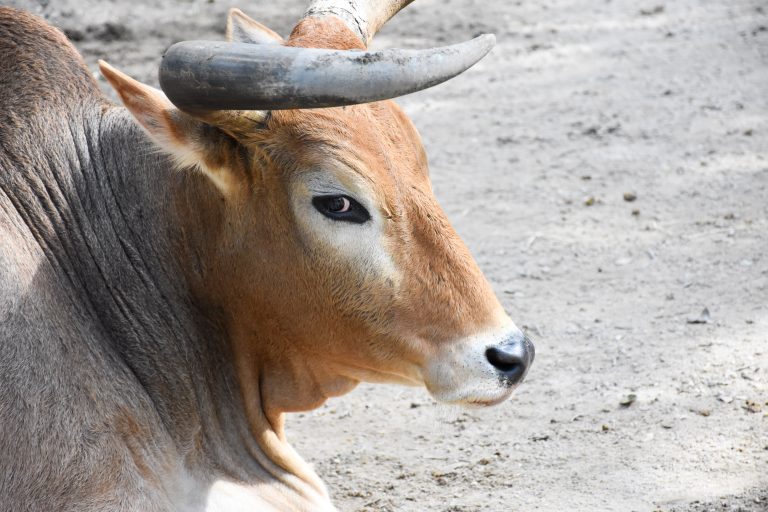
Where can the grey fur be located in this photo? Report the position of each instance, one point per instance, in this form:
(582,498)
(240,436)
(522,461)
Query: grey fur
(116,386)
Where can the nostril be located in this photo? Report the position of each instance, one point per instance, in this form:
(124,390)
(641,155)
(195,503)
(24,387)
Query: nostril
(511,361)
(503,360)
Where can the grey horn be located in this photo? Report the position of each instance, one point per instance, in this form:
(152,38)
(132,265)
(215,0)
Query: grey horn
(206,75)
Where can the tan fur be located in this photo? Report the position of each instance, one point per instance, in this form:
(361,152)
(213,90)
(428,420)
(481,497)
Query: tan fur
(326,32)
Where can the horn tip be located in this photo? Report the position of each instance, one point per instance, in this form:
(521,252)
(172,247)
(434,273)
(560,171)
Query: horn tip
(486,40)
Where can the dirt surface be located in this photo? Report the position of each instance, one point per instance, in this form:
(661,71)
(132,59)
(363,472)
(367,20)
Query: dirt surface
(608,166)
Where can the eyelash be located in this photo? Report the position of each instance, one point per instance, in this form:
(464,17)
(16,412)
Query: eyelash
(341,208)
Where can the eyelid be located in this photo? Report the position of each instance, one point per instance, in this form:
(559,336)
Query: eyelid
(330,191)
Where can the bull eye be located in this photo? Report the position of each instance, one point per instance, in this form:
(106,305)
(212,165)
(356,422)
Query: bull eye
(342,208)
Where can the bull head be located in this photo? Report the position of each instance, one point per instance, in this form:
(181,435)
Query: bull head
(327,252)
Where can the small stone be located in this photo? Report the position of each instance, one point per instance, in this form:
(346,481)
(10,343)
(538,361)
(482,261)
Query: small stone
(703,318)
(628,400)
(752,406)
(653,11)
(629,197)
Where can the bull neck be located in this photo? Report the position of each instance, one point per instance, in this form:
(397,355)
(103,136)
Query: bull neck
(247,446)
(109,212)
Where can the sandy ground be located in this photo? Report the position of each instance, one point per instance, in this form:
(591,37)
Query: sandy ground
(536,154)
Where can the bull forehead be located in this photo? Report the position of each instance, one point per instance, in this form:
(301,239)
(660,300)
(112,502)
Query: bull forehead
(377,141)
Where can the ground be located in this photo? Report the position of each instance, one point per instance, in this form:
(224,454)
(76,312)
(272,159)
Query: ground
(607,164)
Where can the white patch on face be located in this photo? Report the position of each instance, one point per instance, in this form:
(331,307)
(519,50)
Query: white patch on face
(460,373)
(361,245)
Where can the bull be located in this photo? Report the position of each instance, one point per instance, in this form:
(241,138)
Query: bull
(179,273)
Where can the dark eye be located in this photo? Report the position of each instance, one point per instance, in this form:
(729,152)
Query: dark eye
(341,208)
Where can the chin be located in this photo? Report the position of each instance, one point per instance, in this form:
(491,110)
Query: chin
(473,398)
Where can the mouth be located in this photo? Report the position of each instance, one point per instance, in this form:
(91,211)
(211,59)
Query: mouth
(479,399)
(485,403)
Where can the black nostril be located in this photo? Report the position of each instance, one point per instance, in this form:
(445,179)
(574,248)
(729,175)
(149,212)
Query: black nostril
(502,360)
(511,361)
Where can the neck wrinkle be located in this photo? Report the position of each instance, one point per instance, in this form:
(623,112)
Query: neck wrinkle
(197,392)
(266,426)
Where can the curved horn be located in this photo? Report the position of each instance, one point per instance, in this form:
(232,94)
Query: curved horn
(364,17)
(206,75)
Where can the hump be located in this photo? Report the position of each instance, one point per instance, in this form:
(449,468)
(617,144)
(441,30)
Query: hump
(39,68)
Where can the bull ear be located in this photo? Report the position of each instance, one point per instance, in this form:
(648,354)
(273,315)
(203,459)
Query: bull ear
(189,141)
(242,29)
